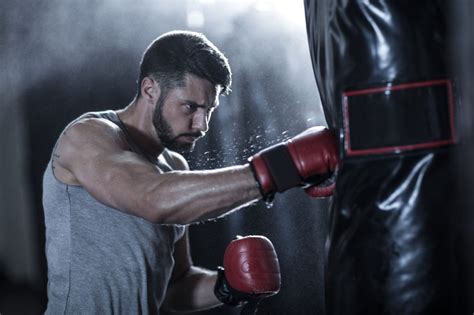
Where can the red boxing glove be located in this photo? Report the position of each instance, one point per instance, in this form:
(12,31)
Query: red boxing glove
(251,271)
(319,191)
(304,160)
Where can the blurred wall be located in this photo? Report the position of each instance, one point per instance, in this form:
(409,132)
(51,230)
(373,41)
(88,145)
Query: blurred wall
(60,59)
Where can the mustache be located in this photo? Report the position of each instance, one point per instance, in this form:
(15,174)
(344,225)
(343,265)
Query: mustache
(198,134)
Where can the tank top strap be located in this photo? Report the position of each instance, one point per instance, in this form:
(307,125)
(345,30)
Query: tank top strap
(113,117)
(169,159)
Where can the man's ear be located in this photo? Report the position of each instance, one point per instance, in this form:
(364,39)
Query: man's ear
(149,90)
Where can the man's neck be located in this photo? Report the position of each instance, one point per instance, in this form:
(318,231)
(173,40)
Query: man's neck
(138,119)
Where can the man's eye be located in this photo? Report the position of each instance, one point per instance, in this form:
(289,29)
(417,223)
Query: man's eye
(190,107)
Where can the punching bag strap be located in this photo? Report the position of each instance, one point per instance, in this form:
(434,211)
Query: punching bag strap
(395,118)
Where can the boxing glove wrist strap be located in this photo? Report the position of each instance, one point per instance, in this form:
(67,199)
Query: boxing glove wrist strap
(277,162)
(231,297)
(266,194)
(224,291)
(284,172)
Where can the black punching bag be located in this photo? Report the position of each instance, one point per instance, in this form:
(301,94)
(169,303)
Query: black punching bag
(381,69)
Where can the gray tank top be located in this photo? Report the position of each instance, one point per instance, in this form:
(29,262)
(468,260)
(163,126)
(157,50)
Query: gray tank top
(102,260)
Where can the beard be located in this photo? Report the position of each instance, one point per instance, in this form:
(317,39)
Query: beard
(165,132)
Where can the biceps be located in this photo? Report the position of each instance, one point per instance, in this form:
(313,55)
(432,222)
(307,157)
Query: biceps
(119,181)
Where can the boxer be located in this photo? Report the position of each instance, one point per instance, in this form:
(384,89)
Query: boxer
(118,195)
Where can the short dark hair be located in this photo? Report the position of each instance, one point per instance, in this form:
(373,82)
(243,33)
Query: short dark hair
(170,56)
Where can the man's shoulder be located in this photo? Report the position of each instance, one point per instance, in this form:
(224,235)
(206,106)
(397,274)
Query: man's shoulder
(92,127)
(88,136)
(98,117)
(93,122)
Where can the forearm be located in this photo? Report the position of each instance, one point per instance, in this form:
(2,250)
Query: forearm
(192,292)
(183,197)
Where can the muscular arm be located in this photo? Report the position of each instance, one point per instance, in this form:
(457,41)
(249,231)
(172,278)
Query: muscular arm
(95,153)
(191,288)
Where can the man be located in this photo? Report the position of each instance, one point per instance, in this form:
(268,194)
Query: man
(117,197)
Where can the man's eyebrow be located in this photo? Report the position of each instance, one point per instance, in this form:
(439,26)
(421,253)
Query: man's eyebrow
(193,103)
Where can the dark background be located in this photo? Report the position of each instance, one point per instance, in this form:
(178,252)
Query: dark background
(61,59)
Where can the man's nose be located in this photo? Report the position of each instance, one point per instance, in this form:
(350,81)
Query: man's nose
(200,120)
